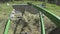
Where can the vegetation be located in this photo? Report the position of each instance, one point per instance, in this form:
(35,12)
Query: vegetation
(54,9)
(5,12)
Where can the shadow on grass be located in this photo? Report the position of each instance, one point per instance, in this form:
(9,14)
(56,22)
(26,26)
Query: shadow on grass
(55,31)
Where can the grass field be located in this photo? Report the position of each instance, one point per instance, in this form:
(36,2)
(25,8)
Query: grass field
(51,7)
(54,9)
(6,10)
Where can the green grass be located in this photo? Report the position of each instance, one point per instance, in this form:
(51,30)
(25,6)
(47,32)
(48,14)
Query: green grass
(4,9)
(54,9)
(51,7)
